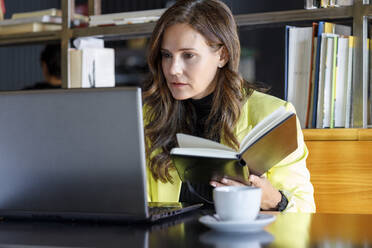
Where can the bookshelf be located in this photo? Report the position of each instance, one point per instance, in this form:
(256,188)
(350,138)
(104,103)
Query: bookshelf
(359,13)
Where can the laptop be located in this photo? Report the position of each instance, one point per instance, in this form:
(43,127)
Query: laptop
(75,154)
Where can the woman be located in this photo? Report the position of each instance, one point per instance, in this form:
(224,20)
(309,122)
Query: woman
(195,88)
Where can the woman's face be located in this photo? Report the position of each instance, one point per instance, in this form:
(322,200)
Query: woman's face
(189,63)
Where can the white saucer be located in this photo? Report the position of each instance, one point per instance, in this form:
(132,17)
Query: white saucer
(237,226)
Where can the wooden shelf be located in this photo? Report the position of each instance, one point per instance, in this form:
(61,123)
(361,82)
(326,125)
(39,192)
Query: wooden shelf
(294,16)
(255,20)
(34,37)
(252,20)
(120,31)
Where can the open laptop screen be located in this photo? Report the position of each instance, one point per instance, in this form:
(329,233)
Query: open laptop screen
(73,152)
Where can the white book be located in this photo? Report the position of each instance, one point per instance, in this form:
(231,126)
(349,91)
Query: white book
(344,2)
(349,89)
(92,67)
(38,19)
(28,28)
(299,59)
(46,12)
(328,76)
(75,68)
(342,77)
(50,12)
(98,67)
(126,17)
(322,66)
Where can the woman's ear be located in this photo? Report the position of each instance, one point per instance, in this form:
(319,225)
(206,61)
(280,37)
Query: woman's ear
(224,57)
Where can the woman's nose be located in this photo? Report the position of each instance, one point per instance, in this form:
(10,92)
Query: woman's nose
(175,67)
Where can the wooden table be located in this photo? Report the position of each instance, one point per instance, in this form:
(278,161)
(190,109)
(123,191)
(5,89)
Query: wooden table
(289,230)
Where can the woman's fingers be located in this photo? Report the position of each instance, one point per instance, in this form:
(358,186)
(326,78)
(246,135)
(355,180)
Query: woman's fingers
(226,182)
(216,184)
(255,181)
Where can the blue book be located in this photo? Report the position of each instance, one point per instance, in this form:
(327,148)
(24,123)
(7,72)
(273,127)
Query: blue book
(286,62)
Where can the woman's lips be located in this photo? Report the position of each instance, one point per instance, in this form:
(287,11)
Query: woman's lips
(178,84)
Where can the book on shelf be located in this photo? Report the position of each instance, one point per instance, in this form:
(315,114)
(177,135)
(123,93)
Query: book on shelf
(2,9)
(334,80)
(200,160)
(332,3)
(318,101)
(344,3)
(310,107)
(44,12)
(28,28)
(328,80)
(39,19)
(317,73)
(312,4)
(47,12)
(349,89)
(299,69)
(335,3)
(92,67)
(75,68)
(341,81)
(126,17)
(324,3)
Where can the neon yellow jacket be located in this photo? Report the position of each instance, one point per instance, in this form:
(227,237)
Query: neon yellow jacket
(290,175)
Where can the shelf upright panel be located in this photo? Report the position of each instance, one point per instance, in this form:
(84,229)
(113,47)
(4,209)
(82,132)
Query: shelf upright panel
(67,8)
(26,38)
(94,7)
(359,111)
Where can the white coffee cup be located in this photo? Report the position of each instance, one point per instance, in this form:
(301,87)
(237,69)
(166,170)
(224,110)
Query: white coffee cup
(237,203)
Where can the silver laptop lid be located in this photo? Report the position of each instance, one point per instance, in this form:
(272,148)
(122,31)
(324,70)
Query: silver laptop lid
(73,153)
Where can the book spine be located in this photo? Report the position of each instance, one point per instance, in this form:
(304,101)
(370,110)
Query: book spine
(317,74)
(311,4)
(287,28)
(344,2)
(334,82)
(349,90)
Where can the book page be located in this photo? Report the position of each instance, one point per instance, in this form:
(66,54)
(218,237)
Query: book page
(204,152)
(189,141)
(264,126)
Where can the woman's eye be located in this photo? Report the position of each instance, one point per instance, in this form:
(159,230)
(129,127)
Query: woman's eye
(165,55)
(188,55)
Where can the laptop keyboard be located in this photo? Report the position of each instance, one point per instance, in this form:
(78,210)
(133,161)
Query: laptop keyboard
(162,210)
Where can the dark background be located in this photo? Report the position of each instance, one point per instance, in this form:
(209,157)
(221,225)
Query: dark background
(20,66)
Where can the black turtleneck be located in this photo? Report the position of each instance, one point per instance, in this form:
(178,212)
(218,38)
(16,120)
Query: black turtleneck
(202,107)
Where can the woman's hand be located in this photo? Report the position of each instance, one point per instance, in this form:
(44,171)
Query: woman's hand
(270,196)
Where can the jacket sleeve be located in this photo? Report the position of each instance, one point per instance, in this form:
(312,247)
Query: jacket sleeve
(292,177)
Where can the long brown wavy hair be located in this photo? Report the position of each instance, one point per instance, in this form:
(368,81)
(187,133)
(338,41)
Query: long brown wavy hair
(166,116)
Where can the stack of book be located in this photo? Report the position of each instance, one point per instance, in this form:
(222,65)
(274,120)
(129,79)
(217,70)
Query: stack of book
(36,21)
(92,68)
(126,17)
(312,4)
(319,72)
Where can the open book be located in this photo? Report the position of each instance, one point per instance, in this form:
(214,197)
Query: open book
(201,160)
